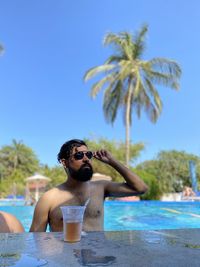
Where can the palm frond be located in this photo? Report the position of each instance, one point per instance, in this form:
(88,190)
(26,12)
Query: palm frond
(152,112)
(122,43)
(128,45)
(115,41)
(112,100)
(98,85)
(112,38)
(166,66)
(94,71)
(151,109)
(154,93)
(113,59)
(163,79)
(138,102)
(139,41)
(144,102)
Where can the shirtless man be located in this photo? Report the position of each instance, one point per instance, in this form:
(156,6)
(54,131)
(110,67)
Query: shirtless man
(9,223)
(77,162)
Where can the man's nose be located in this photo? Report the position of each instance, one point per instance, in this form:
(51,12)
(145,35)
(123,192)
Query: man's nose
(85,158)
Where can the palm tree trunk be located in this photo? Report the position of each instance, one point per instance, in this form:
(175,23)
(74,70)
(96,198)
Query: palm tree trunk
(127,144)
(128,109)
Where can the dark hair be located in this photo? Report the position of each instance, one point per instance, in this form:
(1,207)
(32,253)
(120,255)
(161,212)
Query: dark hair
(67,147)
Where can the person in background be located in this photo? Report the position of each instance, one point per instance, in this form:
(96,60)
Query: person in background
(9,223)
(188,193)
(78,188)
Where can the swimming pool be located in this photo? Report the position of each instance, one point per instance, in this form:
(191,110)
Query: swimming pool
(151,215)
(141,215)
(12,202)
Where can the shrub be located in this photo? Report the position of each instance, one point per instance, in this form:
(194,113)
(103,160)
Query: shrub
(154,191)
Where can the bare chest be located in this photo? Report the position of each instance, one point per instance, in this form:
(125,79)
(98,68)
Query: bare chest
(93,214)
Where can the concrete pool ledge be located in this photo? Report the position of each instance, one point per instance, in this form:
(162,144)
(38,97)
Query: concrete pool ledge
(113,248)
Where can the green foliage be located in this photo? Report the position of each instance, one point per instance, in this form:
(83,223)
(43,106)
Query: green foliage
(117,150)
(56,174)
(17,161)
(171,169)
(17,156)
(154,191)
(13,184)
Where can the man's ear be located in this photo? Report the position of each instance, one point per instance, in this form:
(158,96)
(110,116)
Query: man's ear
(64,162)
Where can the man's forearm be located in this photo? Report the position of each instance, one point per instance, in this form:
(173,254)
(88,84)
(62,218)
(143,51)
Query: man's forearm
(131,178)
(38,228)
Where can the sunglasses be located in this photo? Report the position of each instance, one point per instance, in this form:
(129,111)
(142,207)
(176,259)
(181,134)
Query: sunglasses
(80,155)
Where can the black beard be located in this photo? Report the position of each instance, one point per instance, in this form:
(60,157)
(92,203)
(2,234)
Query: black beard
(84,173)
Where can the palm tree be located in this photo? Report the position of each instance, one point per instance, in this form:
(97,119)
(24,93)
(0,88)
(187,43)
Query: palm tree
(18,156)
(130,82)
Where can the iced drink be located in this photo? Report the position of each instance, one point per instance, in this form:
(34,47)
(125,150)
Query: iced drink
(72,231)
(72,222)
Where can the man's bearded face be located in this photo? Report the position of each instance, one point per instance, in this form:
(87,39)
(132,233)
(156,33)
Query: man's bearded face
(83,174)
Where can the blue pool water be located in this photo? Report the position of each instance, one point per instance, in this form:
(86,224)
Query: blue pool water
(12,202)
(151,215)
(141,215)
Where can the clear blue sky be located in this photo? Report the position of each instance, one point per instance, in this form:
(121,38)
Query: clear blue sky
(49,45)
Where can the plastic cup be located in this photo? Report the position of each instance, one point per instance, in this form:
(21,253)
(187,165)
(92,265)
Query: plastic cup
(72,222)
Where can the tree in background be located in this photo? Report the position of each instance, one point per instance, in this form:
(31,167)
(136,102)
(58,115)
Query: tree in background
(154,191)
(56,174)
(131,82)
(117,150)
(18,161)
(171,168)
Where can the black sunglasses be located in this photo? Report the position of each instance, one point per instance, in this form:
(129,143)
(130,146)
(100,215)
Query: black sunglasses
(80,154)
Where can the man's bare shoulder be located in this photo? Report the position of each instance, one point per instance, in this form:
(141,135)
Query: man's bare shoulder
(51,193)
(59,192)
